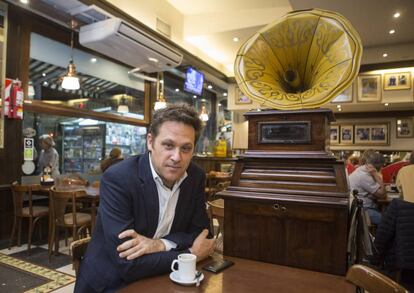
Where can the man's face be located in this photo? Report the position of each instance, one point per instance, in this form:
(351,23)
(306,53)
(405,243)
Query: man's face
(172,150)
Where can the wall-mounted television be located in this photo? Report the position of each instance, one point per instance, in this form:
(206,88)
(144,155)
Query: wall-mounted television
(194,81)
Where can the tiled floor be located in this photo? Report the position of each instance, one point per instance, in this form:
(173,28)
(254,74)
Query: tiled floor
(14,281)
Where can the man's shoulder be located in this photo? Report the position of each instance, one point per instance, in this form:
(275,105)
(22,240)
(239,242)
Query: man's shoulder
(124,169)
(194,169)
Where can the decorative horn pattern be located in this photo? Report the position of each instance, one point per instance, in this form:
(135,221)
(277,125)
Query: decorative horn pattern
(301,61)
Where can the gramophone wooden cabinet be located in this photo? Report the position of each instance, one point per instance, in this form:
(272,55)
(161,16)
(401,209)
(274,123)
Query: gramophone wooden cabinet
(288,207)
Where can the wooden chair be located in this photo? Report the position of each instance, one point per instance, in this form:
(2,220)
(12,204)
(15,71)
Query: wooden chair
(65,217)
(32,212)
(216,211)
(366,278)
(78,250)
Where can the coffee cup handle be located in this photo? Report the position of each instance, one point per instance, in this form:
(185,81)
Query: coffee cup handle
(175,261)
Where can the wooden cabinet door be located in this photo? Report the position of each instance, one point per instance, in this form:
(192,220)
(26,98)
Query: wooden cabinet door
(288,233)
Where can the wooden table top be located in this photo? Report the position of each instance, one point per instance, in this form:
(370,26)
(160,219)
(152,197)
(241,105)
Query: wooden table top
(250,276)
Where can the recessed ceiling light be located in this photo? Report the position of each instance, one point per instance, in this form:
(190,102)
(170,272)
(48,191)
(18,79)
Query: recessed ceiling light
(209,86)
(24,1)
(93,60)
(45,83)
(386,104)
(219,104)
(203,100)
(392,32)
(338,106)
(236,39)
(155,60)
(340,109)
(397,14)
(43,74)
(195,97)
(225,94)
(385,55)
(177,90)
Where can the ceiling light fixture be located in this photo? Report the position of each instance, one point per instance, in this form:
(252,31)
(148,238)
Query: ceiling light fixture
(195,97)
(338,106)
(236,39)
(152,59)
(160,103)
(392,32)
(94,60)
(386,104)
(224,94)
(177,90)
(24,1)
(71,80)
(209,86)
(385,55)
(397,14)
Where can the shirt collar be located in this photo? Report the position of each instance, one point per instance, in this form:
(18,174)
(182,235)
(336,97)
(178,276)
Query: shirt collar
(158,178)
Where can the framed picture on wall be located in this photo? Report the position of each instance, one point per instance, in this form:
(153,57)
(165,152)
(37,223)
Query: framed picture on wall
(362,134)
(397,81)
(345,96)
(334,134)
(369,88)
(347,134)
(404,127)
(241,99)
(379,134)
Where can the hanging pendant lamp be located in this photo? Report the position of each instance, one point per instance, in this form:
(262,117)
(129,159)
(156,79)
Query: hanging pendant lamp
(71,80)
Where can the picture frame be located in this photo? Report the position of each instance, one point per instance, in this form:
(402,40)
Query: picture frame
(397,81)
(404,127)
(379,134)
(345,97)
(347,134)
(241,98)
(334,134)
(362,134)
(369,88)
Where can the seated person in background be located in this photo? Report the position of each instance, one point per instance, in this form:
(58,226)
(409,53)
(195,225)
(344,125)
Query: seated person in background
(405,180)
(152,208)
(351,164)
(367,180)
(394,240)
(115,156)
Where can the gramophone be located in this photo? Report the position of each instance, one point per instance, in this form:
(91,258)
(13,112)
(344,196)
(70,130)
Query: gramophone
(288,199)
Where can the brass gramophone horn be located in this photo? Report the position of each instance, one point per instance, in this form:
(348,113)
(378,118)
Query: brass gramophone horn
(303,60)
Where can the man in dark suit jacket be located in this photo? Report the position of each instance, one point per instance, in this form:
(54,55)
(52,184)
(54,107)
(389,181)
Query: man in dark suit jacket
(152,208)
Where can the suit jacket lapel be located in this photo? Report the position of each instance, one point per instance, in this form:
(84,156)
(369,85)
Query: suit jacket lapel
(150,194)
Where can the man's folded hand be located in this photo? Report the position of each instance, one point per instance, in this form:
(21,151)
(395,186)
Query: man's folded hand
(138,245)
(203,247)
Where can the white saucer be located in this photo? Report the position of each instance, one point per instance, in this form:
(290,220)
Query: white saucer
(176,279)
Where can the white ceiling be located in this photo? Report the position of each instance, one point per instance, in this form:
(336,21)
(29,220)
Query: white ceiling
(211,25)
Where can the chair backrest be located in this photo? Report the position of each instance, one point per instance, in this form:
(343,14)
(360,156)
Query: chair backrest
(59,202)
(373,281)
(216,210)
(19,193)
(78,249)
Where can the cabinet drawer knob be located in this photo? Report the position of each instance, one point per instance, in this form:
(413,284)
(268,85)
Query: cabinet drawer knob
(276,206)
(284,209)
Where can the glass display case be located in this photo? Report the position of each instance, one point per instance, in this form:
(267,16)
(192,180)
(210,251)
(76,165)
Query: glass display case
(130,139)
(83,148)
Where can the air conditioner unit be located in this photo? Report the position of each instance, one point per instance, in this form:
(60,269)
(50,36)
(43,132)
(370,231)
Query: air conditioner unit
(119,40)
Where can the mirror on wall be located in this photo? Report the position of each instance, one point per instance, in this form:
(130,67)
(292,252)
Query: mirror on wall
(3,47)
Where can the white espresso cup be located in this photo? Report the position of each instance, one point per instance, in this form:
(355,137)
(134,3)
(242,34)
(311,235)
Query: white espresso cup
(186,266)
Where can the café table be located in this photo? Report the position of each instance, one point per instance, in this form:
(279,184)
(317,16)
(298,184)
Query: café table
(249,276)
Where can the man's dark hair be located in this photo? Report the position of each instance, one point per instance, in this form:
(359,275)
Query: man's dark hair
(177,113)
(375,159)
